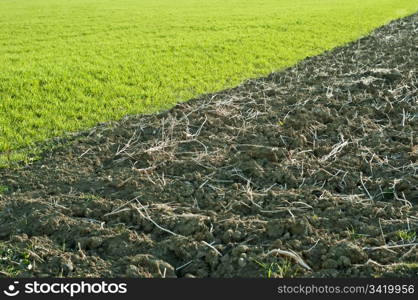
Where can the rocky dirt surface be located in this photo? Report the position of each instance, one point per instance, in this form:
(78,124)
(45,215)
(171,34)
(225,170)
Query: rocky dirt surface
(309,172)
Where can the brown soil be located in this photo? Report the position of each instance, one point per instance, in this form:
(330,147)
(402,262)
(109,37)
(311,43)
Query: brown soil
(319,160)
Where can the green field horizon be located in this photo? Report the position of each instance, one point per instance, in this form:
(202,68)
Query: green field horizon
(67,65)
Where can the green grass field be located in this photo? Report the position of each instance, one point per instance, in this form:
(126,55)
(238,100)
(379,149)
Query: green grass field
(67,64)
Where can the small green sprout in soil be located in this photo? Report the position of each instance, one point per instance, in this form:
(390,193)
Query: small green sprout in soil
(282,269)
(354,234)
(407,236)
(3,189)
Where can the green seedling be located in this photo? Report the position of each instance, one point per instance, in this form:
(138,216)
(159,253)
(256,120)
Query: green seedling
(284,269)
(407,236)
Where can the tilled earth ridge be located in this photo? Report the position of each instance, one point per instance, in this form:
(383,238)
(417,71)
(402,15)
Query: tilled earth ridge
(309,172)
